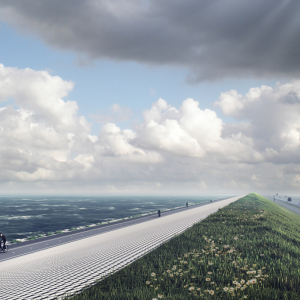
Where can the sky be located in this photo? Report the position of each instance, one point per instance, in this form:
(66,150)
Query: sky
(159,97)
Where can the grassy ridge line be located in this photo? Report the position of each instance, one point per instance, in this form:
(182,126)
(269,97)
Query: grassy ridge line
(248,249)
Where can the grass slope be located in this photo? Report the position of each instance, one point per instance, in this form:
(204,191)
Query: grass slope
(249,249)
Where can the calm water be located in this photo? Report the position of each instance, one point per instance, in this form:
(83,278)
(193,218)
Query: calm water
(31,215)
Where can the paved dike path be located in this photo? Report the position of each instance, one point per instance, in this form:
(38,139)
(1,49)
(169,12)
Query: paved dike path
(53,266)
(294,207)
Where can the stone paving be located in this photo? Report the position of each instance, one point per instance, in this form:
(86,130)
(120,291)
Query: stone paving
(69,267)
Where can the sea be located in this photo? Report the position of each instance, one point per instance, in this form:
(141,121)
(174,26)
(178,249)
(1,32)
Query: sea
(24,216)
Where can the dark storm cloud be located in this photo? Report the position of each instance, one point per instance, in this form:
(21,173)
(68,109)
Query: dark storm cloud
(211,38)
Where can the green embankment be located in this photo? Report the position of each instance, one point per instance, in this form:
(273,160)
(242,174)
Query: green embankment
(249,249)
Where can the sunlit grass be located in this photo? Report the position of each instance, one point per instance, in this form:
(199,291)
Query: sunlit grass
(249,249)
(15,241)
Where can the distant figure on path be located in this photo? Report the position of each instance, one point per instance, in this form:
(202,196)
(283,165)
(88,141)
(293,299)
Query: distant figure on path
(3,238)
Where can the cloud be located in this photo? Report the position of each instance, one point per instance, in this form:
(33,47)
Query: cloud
(213,39)
(42,138)
(193,132)
(117,114)
(115,142)
(291,98)
(172,130)
(203,185)
(46,146)
(253,178)
(269,119)
(39,118)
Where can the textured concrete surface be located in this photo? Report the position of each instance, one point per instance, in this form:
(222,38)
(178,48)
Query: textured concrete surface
(81,259)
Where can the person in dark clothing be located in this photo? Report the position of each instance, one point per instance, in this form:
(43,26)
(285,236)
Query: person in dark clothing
(3,238)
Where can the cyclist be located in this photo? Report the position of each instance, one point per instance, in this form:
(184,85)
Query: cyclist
(3,238)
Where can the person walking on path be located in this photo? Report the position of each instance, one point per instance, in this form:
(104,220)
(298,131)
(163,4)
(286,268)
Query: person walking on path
(3,238)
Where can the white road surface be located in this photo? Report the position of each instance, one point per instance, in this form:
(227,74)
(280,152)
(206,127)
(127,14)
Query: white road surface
(69,267)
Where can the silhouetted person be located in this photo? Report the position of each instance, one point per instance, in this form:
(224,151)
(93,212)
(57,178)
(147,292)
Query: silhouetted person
(3,238)
(159,212)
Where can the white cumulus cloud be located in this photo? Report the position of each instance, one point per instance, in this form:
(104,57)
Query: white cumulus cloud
(46,145)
